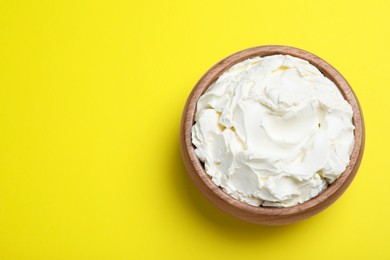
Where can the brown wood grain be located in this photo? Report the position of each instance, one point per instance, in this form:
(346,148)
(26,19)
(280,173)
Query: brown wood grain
(267,215)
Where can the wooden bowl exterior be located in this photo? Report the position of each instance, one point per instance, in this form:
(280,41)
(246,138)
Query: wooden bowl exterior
(267,215)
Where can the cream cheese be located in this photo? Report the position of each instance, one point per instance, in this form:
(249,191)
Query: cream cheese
(273,131)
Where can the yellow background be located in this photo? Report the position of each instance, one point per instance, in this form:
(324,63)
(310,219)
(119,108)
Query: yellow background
(91,95)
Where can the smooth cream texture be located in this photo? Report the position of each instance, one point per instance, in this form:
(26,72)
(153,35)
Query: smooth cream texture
(273,131)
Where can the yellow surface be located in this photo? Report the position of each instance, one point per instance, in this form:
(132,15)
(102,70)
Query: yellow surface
(91,95)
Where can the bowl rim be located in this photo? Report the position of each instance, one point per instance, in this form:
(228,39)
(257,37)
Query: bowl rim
(315,204)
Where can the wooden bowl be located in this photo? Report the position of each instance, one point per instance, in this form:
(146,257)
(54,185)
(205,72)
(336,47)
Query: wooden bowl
(267,215)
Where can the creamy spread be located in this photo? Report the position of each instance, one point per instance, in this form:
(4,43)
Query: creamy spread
(273,131)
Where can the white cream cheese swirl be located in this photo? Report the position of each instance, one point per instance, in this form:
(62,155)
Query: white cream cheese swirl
(273,131)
